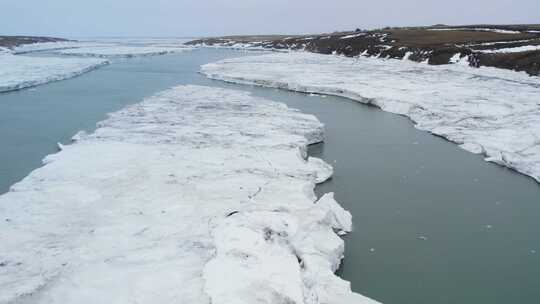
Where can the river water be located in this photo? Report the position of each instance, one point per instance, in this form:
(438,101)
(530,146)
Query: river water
(433,223)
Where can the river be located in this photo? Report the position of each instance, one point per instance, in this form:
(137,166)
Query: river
(433,223)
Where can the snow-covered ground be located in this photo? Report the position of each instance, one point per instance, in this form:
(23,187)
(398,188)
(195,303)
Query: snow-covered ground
(479,29)
(195,195)
(490,111)
(525,48)
(122,51)
(18,71)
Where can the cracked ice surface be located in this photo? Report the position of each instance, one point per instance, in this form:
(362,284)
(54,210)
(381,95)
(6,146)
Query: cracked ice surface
(17,71)
(194,195)
(490,111)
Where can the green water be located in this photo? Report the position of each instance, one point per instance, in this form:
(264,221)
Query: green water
(433,223)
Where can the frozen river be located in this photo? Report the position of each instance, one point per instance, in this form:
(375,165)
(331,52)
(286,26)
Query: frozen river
(433,223)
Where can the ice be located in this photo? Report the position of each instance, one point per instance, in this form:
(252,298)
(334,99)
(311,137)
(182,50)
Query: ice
(195,195)
(52,46)
(17,71)
(163,42)
(122,51)
(487,110)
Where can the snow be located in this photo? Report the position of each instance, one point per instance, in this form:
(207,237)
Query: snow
(353,36)
(195,195)
(477,29)
(490,111)
(525,48)
(458,58)
(497,42)
(407,55)
(122,51)
(17,72)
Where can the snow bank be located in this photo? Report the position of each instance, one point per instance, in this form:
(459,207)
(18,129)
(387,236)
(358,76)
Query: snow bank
(490,111)
(195,195)
(122,51)
(17,72)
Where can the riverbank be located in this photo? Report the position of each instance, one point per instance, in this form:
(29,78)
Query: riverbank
(514,47)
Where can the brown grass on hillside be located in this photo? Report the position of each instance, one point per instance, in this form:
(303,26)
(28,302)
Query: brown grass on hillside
(420,37)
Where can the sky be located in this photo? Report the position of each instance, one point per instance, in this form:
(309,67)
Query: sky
(178,18)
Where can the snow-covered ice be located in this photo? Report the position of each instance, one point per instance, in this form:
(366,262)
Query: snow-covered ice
(353,36)
(195,195)
(17,71)
(52,46)
(490,111)
(122,51)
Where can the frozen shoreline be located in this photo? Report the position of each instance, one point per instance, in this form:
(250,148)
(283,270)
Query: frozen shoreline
(478,109)
(194,195)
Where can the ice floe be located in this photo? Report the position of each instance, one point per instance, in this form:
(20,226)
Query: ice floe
(490,111)
(195,195)
(122,51)
(17,71)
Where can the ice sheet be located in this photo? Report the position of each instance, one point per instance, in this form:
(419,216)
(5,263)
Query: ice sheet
(490,111)
(18,71)
(52,46)
(122,51)
(196,195)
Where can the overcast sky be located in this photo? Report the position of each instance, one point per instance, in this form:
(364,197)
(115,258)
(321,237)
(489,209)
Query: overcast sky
(77,18)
